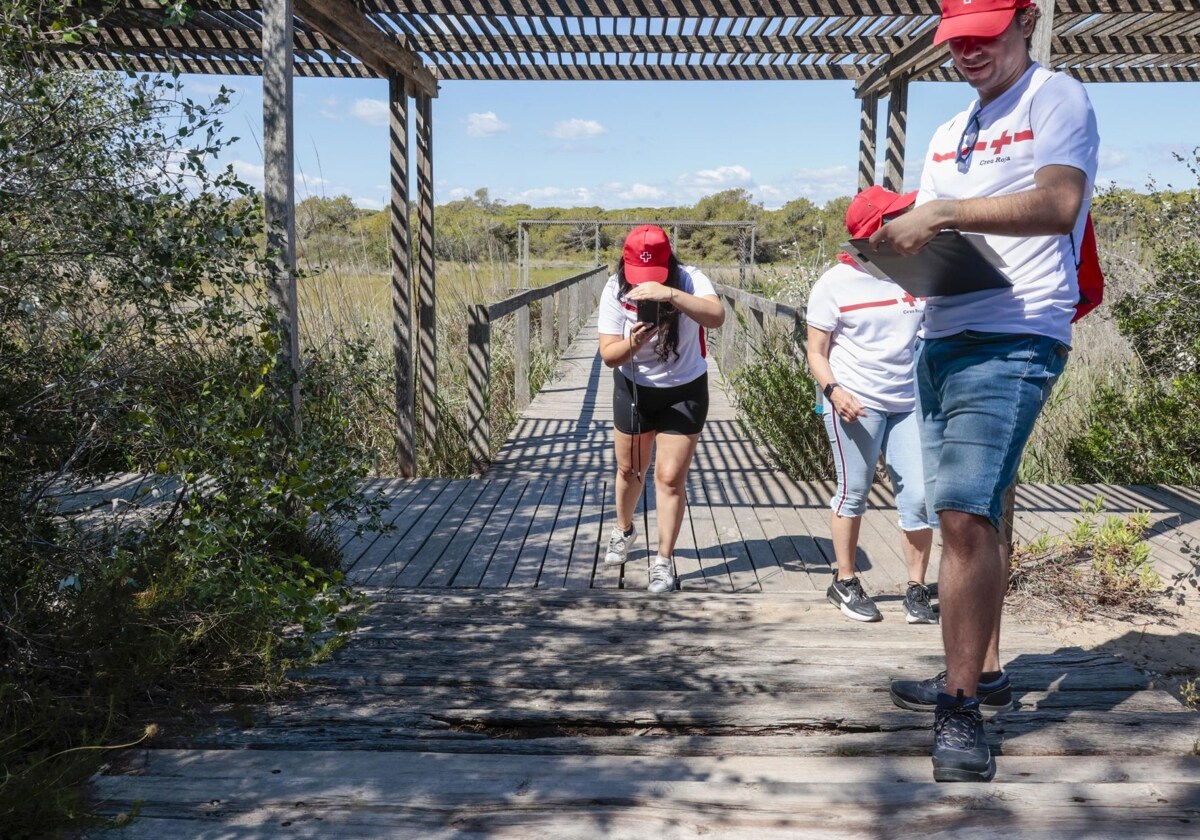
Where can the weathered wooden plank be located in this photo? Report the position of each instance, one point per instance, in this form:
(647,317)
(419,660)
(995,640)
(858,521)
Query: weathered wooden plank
(467,538)
(553,572)
(457,516)
(476,564)
(1040,734)
(528,566)
(365,767)
(400,553)
(742,572)
(708,671)
(509,547)
(709,553)
(590,538)
(403,511)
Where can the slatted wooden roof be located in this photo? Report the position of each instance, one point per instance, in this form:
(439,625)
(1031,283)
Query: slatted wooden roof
(869,41)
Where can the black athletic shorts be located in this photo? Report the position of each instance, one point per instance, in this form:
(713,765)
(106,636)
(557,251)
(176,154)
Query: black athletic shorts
(678,410)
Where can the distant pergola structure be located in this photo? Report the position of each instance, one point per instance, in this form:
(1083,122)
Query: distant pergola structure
(880,45)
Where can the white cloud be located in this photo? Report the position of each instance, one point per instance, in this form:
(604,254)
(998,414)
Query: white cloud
(371,111)
(309,183)
(486,124)
(251,173)
(641,194)
(576,129)
(557,196)
(1112,158)
(722,178)
(368,203)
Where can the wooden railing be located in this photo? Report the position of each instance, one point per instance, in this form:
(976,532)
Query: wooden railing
(566,306)
(757,309)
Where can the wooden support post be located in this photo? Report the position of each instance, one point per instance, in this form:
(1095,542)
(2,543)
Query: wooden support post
(868,106)
(479,385)
(279,192)
(401,252)
(893,173)
(427,294)
(1042,48)
(573,297)
(548,321)
(564,319)
(799,339)
(753,244)
(754,335)
(728,335)
(525,262)
(596,258)
(521,359)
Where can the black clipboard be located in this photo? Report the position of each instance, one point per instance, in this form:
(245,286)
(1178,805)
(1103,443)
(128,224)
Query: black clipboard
(953,263)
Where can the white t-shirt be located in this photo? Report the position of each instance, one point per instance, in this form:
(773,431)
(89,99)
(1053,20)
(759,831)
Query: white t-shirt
(873,327)
(617,317)
(1043,119)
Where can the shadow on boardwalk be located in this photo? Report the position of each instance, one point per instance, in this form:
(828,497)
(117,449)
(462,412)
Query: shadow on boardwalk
(557,714)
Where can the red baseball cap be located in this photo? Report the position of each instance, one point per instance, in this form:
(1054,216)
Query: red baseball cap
(976,18)
(865,214)
(647,255)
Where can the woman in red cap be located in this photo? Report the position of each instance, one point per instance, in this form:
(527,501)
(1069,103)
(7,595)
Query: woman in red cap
(861,336)
(653,313)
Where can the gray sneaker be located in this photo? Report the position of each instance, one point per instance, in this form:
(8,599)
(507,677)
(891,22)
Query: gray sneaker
(619,545)
(848,596)
(917,607)
(662,575)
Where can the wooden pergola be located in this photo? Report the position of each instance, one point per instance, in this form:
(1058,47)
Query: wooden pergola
(880,45)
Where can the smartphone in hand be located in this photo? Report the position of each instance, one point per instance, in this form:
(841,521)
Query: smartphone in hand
(647,311)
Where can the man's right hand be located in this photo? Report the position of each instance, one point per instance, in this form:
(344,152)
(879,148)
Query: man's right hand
(909,233)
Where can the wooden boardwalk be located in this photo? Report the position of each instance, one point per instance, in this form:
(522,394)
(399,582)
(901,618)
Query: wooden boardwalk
(506,685)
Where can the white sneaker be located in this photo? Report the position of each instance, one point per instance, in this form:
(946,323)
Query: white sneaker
(619,544)
(662,575)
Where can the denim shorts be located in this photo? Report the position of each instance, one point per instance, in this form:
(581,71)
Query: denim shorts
(978,396)
(856,449)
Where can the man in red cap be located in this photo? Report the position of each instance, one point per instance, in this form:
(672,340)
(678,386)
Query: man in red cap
(1017,166)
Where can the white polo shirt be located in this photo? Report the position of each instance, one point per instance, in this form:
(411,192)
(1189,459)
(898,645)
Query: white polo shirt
(1042,120)
(873,327)
(617,317)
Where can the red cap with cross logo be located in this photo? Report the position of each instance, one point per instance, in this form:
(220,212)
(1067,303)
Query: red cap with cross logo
(647,255)
(976,18)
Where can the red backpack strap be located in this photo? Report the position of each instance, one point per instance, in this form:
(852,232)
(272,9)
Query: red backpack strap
(1091,278)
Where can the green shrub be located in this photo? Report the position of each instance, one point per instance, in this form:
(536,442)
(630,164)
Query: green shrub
(1102,564)
(135,336)
(776,400)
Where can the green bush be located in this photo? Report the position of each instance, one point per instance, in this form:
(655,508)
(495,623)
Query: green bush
(135,336)
(1149,432)
(776,400)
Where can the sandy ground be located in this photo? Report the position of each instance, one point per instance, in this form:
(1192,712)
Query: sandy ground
(1166,647)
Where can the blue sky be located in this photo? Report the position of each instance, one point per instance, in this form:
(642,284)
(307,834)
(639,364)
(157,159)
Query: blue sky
(626,144)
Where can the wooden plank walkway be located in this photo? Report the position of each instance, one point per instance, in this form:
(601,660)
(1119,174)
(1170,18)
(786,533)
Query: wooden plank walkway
(505,685)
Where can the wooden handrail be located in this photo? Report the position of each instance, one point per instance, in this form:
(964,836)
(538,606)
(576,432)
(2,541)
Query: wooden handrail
(760,307)
(563,299)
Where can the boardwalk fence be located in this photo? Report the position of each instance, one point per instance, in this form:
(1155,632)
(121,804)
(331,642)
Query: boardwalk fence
(565,307)
(746,323)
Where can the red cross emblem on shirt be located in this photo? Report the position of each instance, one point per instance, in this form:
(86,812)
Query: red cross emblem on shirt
(1000,142)
(909,299)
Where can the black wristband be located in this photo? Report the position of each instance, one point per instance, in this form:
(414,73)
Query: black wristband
(828,390)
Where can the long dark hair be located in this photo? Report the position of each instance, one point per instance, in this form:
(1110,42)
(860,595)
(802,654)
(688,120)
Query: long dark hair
(667,342)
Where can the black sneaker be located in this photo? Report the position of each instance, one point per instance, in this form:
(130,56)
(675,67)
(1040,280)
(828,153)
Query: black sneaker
(848,596)
(917,609)
(922,695)
(960,753)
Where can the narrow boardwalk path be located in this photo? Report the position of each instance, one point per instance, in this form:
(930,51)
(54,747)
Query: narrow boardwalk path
(505,685)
